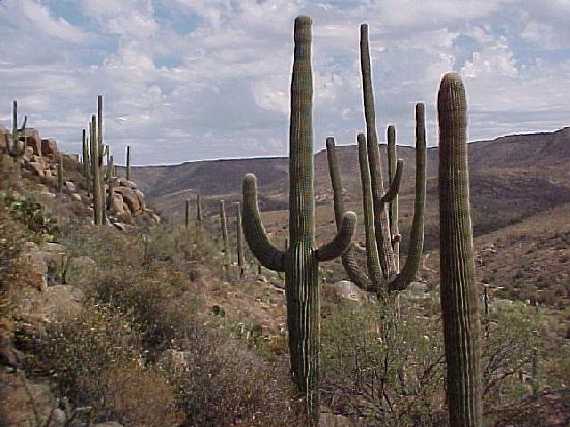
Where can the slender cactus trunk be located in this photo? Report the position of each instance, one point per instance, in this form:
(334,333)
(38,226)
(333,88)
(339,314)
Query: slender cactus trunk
(458,292)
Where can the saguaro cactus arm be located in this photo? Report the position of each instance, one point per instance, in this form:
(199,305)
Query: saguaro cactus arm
(381,220)
(458,292)
(355,273)
(416,245)
(341,242)
(268,255)
(394,189)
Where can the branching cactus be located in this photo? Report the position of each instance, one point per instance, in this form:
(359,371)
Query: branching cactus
(373,278)
(301,261)
(239,241)
(458,291)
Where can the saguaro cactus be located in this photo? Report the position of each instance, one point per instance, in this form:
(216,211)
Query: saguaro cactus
(60,173)
(300,262)
(224,234)
(381,220)
(458,291)
(15,149)
(375,279)
(96,174)
(187,214)
(239,241)
(102,150)
(128,167)
(394,205)
(85,154)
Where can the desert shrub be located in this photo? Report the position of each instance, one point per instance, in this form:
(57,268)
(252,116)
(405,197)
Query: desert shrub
(160,300)
(139,396)
(225,383)
(508,353)
(387,370)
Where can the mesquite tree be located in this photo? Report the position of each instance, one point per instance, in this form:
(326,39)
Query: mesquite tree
(458,291)
(300,262)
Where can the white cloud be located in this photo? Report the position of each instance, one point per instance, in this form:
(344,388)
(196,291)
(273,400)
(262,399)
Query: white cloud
(191,79)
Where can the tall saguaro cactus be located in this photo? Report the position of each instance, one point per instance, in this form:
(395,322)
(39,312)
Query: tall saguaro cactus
(458,291)
(300,262)
(394,205)
(374,278)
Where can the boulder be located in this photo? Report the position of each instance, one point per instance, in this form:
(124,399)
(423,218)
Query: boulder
(131,199)
(70,187)
(346,290)
(35,266)
(37,168)
(32,138)
(76,197)
(28,154)
(80,269)
(117,205)
(49,147)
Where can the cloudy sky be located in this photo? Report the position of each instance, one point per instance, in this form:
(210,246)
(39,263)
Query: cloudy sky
(196,79)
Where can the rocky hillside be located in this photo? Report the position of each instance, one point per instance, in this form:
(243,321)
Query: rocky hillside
(39,162)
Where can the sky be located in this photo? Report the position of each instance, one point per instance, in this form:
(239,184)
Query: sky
(187,80)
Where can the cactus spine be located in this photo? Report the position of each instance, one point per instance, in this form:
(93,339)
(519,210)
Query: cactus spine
(374,278)
(239,241)
(128,172)
(60,173)
(458,293)
(300,262)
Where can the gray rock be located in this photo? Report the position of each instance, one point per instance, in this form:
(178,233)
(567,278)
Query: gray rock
(346,290)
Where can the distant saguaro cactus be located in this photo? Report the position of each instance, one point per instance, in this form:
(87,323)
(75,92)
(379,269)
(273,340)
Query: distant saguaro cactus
(375,279)
(86,161)
(300,262)
(187,214)
(95,174)
(102,151)
(16,149)
(224,234)
(239,242)
(458,290)
(128,163)
(60,173)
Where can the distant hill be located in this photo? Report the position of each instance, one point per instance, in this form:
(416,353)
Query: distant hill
(512,177)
